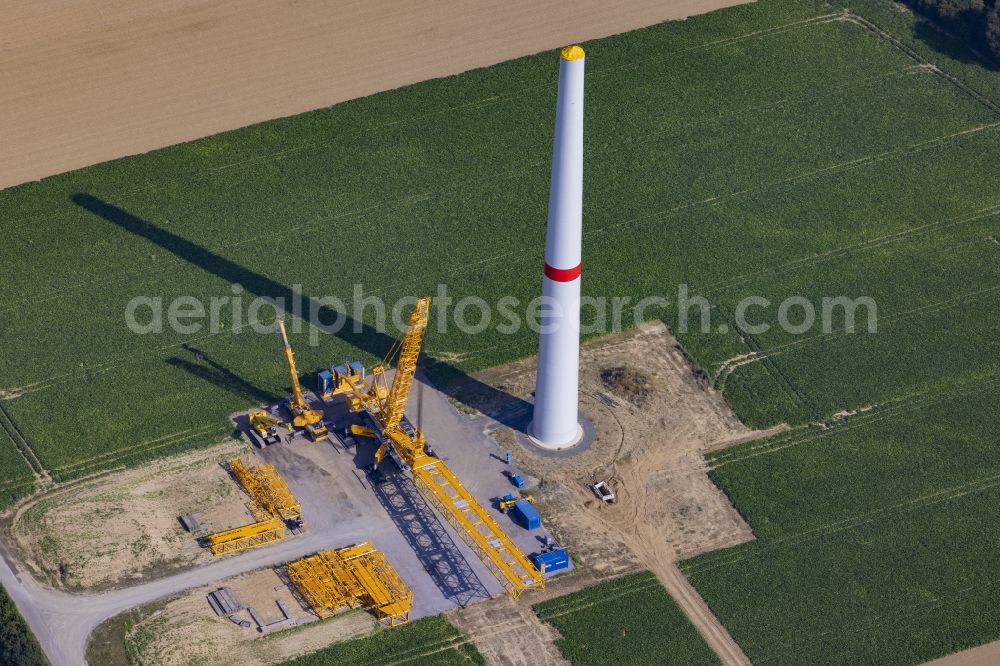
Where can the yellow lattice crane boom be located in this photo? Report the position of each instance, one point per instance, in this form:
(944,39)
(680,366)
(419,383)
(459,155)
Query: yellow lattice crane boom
(390,409)
(303,415)
(406,365)
(432,477)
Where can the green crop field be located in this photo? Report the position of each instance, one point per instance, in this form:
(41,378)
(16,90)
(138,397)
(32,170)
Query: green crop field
(431,641)
(877,536)
(772,149)
(17,479)
(784,148)
(769,150)
(630,620)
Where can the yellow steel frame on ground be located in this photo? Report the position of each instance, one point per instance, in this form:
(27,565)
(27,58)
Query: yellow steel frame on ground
(248,536)
(271,503)
(282,501)
(266,487)
(260,514)
(352,576)
(385,591)
(477,528)
(320,586)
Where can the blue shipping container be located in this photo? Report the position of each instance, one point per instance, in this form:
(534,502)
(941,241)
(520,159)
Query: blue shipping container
(325,383)
(525,515)
(551,561)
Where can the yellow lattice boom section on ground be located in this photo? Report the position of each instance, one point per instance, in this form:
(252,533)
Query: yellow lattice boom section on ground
(248,536)
(260,514)
(266,487)
(477,528)
(354,576)
(321,587)
(271,503)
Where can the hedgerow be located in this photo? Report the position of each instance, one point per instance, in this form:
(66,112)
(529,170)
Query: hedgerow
(18,646)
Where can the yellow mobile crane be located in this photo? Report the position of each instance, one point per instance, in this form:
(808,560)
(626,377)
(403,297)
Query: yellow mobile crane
(385,407)
(303,415)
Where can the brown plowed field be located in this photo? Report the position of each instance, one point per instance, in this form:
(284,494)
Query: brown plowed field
(85,81)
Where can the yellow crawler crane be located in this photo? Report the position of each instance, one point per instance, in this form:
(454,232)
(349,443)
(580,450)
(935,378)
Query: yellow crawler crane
(303,415)
(385,407)
(354,576)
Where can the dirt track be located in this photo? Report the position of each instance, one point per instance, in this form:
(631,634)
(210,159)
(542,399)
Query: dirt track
(86,81)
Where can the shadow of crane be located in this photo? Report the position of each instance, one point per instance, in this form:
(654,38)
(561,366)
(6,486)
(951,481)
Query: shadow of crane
(213,372)
(455,383)
(423,530)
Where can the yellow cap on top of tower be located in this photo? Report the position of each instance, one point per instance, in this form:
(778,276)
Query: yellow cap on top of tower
(574,52)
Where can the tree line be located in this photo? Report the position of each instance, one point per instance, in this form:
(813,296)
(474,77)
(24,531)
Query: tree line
(975,21)
(18,646)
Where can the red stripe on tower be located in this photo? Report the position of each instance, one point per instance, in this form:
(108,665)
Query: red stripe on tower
(562,274)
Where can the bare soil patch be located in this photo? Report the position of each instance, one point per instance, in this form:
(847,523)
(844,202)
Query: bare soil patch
(124,527)
(984,655)
(185,630)
(86,81)
(629,382)
(508,633)
(652,455)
